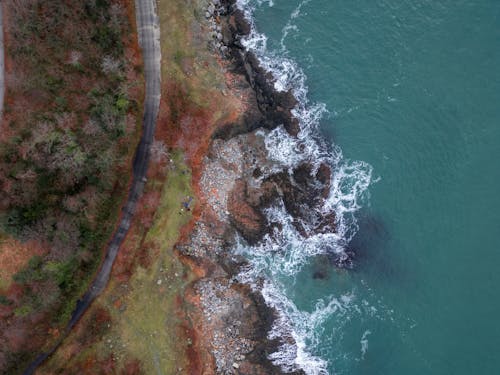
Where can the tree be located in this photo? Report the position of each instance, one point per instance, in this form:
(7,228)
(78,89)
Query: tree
(159,152)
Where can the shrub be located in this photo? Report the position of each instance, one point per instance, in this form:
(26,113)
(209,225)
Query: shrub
(5,301)
(32,272)
(23,310)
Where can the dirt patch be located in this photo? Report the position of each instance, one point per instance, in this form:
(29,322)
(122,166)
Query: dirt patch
(13,257)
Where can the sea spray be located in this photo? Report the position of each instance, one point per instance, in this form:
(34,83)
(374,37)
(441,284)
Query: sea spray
(282,254)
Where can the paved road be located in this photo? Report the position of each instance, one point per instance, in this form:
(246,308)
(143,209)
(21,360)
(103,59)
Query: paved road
(149,40)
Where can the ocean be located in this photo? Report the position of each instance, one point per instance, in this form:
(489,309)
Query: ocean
(401,98)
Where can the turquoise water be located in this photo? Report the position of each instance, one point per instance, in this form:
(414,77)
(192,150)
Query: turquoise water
(413,89)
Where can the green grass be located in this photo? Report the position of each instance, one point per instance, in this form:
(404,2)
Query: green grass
(182,52)
(148,323)
(22,311)
(146,328)
(167,219)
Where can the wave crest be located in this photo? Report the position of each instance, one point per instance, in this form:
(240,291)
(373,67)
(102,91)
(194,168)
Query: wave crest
(283,253)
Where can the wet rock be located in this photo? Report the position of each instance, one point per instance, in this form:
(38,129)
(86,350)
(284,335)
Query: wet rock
(302,194)
(239,23)
(257,172)
(275,106)
(324,175)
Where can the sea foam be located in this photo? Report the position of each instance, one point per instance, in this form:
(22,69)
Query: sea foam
(282,254)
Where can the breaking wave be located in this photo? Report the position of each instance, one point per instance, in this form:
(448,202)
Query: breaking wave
(283,253)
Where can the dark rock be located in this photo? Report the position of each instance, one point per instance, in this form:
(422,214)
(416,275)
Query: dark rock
(257,172)
(239,23)
(302,194)
(324,175)
(319,275)
(275,106)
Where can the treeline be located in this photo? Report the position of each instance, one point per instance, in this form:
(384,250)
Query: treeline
(71,124)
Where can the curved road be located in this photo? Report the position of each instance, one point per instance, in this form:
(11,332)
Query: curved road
(149,41)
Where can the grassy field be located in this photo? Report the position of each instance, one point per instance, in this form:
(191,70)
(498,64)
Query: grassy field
(144,320)
(149,325)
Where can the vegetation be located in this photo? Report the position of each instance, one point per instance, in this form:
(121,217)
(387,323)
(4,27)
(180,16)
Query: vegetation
(142,312)
(133,325)
(71,123)
(151,310)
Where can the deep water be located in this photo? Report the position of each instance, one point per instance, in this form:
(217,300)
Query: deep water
(413,89)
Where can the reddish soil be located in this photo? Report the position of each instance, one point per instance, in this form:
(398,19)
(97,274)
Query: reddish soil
(14,255)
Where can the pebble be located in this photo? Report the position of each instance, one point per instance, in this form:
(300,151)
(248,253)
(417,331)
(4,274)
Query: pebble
(158,282)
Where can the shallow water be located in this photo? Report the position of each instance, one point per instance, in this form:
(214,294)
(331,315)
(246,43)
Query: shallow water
(413,89)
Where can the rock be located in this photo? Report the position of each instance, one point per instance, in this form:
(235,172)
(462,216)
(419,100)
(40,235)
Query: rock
(275,106)
(235,365)
(248,220)
(323,175)
(158,282)
(239,23)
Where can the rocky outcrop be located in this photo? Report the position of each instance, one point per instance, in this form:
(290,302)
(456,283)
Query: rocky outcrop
(239,320)
(269,108)
(238,183)
(248,220)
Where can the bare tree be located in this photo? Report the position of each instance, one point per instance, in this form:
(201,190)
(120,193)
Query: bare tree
(110,65)
(130,123)
(74,57)
(159,152)
(116,16)
(91,127)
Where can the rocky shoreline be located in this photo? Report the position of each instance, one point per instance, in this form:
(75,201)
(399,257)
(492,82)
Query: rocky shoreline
(238,182)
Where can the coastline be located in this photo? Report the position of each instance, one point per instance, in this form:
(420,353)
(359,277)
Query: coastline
(218,108)
(232,320)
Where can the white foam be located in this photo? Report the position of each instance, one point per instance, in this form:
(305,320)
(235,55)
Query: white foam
(290,26)
(282,254)
(304,328)
(349,183)
(283,148)
(286,251)
(364,343)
